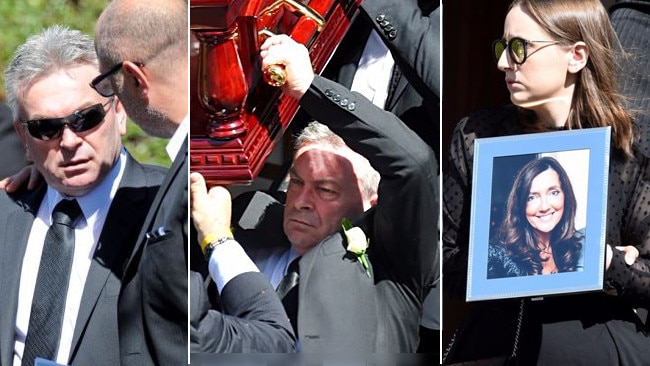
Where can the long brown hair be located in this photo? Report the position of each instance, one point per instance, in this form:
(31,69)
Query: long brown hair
(596,101)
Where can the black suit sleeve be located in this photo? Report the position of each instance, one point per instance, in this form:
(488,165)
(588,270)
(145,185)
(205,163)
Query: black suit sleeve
(406,217)
(253,319)
(413,36)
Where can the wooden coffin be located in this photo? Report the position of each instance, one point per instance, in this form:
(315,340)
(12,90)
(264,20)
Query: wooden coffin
(236,117)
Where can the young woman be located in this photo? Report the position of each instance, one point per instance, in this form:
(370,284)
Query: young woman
(538,234)
(558,60)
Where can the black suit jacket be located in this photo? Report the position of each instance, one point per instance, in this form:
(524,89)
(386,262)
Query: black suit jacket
(95,338)
(153,299)
(412,34)
(340,308)
(411,31)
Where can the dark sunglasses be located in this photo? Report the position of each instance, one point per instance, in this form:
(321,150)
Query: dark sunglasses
(102,83)
(79,121)
(517,49)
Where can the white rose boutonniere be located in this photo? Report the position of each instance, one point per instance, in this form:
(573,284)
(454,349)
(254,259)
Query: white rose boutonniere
(357,243)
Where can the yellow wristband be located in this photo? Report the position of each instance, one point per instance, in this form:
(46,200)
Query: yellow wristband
(212,237)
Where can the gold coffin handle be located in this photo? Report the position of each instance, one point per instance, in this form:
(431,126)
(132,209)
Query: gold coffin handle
(276,75)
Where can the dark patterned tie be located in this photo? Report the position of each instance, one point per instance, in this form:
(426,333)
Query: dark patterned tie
(396,75)
(288,292)
(51,289)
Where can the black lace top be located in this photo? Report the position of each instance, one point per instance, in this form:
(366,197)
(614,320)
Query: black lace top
(575,317)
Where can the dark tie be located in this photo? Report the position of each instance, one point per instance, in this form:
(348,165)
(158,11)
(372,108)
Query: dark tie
(395,77)
(51,288)
(288,292)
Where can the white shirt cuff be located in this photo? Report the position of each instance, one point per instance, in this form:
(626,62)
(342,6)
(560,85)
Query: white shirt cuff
(229,260)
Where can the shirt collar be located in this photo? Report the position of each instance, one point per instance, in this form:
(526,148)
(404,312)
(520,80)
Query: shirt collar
(178,139)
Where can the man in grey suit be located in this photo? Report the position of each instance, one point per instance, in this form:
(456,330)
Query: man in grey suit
(391,55)
(73,137)
(347,301)
(382,313)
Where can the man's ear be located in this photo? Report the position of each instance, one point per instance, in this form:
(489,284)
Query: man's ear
(579,57)
(120,116)
(138,76)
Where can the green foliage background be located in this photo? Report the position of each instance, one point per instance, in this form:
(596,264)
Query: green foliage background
(21,18)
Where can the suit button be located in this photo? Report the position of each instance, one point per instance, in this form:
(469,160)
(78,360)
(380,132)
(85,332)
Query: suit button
(380,17)
(392,34)
(389,28)
(344,102)
(336,97)
(384,24)
(328,93)
(352,106)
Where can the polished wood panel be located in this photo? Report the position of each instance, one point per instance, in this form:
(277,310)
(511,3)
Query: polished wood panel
(236,117)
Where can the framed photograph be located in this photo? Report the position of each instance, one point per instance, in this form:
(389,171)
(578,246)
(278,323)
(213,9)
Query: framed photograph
(538,211)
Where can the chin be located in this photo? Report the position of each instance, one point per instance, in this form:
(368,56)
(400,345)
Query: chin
(301,243)
(77,186)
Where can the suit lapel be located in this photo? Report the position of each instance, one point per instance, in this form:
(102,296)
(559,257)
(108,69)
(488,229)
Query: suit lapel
(115,242)
(19,217)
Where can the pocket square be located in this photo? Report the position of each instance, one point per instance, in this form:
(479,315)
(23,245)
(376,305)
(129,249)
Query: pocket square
(158,234)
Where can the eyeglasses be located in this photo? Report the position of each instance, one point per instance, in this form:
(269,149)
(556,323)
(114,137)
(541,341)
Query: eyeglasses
(517,49)
(102,84)
(79,121)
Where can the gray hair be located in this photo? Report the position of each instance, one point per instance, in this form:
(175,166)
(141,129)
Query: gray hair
(54,48)
(318,133)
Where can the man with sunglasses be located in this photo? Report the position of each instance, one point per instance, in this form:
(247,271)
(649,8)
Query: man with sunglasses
(73,137)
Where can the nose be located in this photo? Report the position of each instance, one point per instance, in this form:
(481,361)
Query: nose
(69,139)
(544,204)
(504,61)
(304,199)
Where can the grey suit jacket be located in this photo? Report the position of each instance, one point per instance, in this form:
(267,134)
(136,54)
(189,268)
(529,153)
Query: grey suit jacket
(340,308)
(251,319)
(95,338)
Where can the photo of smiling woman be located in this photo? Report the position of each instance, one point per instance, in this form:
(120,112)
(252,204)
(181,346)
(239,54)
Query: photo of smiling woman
(538,232)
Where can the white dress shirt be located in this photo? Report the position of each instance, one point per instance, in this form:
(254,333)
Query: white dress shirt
(94,206)
(276,264)
(374,71)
